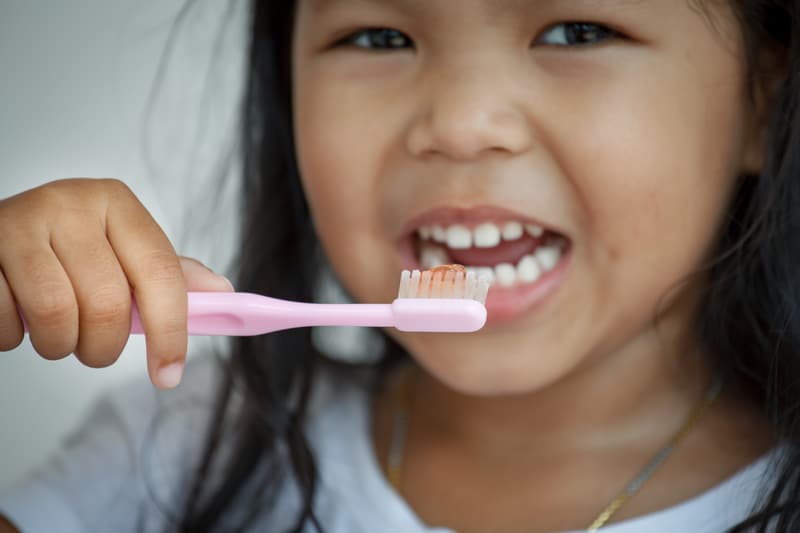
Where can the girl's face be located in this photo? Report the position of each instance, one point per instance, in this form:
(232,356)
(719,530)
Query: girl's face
(584,150)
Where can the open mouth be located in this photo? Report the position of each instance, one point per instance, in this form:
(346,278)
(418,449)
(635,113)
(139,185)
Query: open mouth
(510,252)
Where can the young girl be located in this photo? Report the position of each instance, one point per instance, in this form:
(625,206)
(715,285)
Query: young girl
(628,172)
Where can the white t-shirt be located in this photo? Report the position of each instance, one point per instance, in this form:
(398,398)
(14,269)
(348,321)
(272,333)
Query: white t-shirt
(111,477)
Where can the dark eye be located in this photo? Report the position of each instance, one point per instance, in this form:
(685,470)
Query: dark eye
(576,34)
(379,39)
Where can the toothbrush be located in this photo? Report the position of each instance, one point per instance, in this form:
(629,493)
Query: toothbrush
(445,299)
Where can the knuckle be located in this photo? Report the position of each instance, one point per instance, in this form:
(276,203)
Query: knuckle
(171,328)
(167,343)
(53,307)
(168,338)
(162,266)
(113,183)
(20,218)
(107,307)
(114,187)
(49,194)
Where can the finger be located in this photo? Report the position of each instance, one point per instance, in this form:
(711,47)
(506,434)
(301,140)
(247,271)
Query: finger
(154,272)
(11,331)
(101,289)
(201,278)
(45,296)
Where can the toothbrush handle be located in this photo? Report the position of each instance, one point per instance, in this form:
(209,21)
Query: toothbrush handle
(242,314)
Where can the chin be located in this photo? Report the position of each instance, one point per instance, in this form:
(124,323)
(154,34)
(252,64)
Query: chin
(465,368)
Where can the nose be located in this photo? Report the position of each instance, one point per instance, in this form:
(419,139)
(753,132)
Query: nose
(466,117)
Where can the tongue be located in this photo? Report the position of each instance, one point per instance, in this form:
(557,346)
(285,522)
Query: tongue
(505,252)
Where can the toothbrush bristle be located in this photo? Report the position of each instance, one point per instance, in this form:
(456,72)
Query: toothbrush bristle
(446,281)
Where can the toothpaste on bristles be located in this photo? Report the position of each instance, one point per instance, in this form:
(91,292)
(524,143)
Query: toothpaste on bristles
(444,281)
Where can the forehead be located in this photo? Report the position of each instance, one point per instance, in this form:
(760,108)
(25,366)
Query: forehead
(489,6)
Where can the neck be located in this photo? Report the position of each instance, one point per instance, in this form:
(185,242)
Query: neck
(636,393)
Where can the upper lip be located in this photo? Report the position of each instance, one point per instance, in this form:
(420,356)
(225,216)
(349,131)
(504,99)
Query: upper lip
(450,215)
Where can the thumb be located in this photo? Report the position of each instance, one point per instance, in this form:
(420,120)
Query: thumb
(200,278)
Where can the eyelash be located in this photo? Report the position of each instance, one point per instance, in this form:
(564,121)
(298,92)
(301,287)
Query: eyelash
(388,39)
(577,29)
(385,35)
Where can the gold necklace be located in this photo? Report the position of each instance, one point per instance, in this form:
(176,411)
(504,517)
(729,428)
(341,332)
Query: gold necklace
(394,463)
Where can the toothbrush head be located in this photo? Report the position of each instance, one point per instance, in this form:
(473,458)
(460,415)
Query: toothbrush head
(445,281)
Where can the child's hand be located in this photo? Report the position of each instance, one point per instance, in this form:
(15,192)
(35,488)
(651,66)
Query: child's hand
(72,254)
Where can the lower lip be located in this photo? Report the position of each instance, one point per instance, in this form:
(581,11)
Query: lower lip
(506,304)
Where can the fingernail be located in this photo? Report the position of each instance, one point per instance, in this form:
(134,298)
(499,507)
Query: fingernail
(169,376)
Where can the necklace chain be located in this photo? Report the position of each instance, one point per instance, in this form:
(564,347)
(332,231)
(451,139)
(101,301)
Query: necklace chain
(399,434)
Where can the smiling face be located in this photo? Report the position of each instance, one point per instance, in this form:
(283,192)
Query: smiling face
(588,164)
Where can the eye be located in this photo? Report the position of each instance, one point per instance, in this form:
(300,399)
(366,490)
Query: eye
(378,39)
(577,34)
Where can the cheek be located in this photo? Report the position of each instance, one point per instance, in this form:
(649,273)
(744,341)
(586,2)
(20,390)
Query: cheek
(338,165)
(654,167)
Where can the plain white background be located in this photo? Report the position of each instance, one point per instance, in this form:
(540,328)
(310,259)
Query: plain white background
(76,77)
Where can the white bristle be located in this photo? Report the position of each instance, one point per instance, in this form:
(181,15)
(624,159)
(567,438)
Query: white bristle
(424,290)
(436,285)
(469,285)
(450,284)
(483,289)
(405,280)
(458,285)
(414,287)
(447,284)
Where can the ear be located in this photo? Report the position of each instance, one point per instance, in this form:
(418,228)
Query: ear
(761,105)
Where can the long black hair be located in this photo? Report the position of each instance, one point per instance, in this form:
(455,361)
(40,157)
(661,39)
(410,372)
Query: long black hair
(749,319)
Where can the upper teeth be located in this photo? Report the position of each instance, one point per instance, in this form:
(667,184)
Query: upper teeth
(485,235)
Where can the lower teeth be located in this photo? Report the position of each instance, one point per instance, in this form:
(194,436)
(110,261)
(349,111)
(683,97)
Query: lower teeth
(528,270)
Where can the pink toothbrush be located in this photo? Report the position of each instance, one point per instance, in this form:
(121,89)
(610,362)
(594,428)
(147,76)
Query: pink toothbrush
(446,299)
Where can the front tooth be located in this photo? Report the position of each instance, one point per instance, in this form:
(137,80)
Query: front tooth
(512,231)
(528,269)
(439,234)
(548,257)
(487,235)
(433,256)
(534,230)
(459,237)
(506,274)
